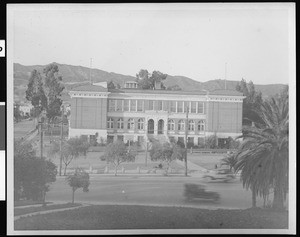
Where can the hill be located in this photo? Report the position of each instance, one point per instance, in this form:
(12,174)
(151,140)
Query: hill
(74,76)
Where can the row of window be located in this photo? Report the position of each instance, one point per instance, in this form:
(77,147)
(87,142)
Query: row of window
(171,124)
(139,106)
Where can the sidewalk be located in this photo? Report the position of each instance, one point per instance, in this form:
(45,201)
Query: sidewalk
(51,211)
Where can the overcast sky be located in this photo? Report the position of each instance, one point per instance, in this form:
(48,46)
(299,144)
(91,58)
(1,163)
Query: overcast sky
(193,40)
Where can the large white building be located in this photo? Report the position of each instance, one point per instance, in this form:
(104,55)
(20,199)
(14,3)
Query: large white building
(132,114)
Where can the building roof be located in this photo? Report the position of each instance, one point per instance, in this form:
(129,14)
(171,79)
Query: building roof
(90,88)
(225,92)
(94,88)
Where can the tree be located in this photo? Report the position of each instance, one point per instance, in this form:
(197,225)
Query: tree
(17,112)
(263,155)
(32,175)
(80,179)
(211,142)
(53,89)
(71,149)
(251,103)
(166,153)
(146,80)
(229,160)
(35,93)
(111,85)
(117,153)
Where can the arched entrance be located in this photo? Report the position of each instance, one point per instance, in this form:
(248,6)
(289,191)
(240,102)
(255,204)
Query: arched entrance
(150,126)
(160,127)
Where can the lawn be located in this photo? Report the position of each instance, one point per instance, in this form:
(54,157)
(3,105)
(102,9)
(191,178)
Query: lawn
(22,211)
(102,217)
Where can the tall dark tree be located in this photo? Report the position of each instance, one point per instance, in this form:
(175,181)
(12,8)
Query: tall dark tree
(146,80)
(53,90)
(251,103)
(35,93)
(111,85)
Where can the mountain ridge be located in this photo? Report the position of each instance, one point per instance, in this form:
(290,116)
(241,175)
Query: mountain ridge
(78,75)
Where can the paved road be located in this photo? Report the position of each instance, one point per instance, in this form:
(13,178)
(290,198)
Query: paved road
(149,190)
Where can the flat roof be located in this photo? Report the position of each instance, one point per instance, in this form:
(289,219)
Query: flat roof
(95,88)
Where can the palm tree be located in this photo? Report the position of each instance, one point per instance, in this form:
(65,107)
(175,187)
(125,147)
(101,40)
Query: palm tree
(263,156)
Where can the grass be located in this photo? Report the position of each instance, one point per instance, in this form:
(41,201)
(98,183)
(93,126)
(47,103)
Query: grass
(102,217)
(26,210)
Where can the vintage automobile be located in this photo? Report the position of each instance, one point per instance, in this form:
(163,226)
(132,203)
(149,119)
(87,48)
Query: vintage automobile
(198,192)
(219,175)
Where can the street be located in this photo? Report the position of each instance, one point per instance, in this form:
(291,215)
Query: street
(150,190)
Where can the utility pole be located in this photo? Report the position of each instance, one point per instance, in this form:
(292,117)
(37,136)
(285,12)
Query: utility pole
(146,157)
(225,75)
(61,139)
(91,71)
(41,138)
(186,135)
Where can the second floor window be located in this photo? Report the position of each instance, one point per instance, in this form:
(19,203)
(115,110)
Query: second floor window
(171,125)
(173,106)
(201,125)
(159,105)
(181,125)
(111,105)
(141,124)
(126,105)
(110,123)
(130,124)
(140,105)
(200,107)
(120,123)
(191,125)
(119,106)
(193,107)
(133,105)
(151,104)
(179,106)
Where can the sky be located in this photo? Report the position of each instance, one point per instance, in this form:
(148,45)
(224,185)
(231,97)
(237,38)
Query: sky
(199,41)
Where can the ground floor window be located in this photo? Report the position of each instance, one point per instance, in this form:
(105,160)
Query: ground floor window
(190,142)
(181,141)
(171,125)
(110,139)
(201,142)
(120,138)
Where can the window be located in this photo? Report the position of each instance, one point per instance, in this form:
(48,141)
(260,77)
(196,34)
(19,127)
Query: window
(126,105)
(186,106)
(111,105)
(201,141)
(193,107)
(140,105)
(179,106)
(130,124)
(110,139)
(181,125)
(110,123)
(133,105)
(173,106)
(151,105)
(201,126)
(171,125)
(200,107)
(141,124)
(119,106)
(159,105)
(191,125)
(120,123)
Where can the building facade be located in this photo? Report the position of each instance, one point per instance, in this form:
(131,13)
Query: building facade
(131,114)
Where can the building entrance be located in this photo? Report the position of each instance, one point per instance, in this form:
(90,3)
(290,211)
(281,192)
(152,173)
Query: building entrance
(160,129)
(150,126)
